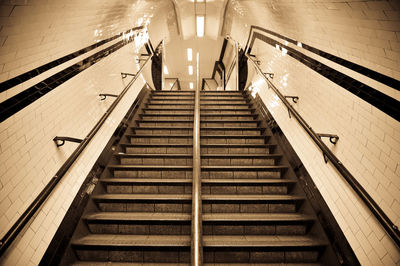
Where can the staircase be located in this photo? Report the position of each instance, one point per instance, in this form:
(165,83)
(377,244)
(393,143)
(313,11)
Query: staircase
(253,209)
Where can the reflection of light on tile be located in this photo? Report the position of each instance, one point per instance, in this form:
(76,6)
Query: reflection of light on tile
(286,43)
(165,70)
(190,70)
(284,51)
(191,85)
(299,44)
(277,46)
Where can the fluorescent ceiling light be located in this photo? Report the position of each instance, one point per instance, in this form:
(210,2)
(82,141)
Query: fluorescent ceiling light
(189,54)
(165,70)
(200,26)
(191,85)
(190,70)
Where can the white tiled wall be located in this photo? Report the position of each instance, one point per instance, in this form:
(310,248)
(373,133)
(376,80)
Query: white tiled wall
(29,157)
(35,32)
(366,32)
(368,146)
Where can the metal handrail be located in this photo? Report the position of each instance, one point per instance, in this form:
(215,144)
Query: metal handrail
(380,215)
(16,228)
(196,242)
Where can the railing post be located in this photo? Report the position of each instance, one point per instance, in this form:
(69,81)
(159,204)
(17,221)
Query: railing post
(196,244)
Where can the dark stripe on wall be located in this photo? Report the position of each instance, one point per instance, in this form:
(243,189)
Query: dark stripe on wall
(16,103)
(39,70)
(389,81)
(383,102)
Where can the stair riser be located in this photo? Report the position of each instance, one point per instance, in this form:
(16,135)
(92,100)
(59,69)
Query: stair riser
(155,140)
(141,228)
(172,98)
(248,207)
(153,174)
(139,255)
(217,97)
(166,131)
(152,189)
(155,112)
(233,117)
(207,189)
(253,229)
(169,102)
(155,117)
(227,124)
(227,140)
(170,106)
(237,162)
(209,131)
(259,256)
(226,106)
(146,207)
(233,112)
(165,124)
(232,102)
(240,174)
(157,161)
(224,150)
(159,150)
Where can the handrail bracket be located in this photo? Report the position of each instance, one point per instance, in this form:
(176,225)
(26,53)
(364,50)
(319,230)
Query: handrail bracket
(61,140)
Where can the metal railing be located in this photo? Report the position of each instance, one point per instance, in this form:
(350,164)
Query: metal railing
(384,220)
(16,228)
(196,242)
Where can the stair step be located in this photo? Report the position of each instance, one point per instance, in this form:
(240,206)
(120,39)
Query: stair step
(248,181)
(132,241)
(153,155)
(229,128)
(165,121)
(142,197)
(137,216)
(114,180)
(263,241)
(244,167)
(257,217)
(252,198)
(150,167)
(229,115)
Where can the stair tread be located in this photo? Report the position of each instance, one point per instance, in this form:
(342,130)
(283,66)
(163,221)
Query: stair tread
(155,167)
(137,216)
(166,114)
(164,121)
(262,241)
(272,217)
(107,240)
(160,136)
(232,128)
(156,144)
(146,180)
(110,196)
(149,155)
(240,145)
(240,197)
(248,181)
(244,167)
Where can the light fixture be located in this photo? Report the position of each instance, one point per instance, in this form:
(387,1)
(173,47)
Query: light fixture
(190,70)
(165,70)
(200,26)
(191,85)
(189,54)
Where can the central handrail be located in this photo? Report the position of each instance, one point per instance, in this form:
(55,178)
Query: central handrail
(387,224)
(196,242)
(16,228)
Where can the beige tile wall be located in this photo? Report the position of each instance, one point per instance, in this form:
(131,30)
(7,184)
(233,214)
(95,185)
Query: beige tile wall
(368,146)
(29,157)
